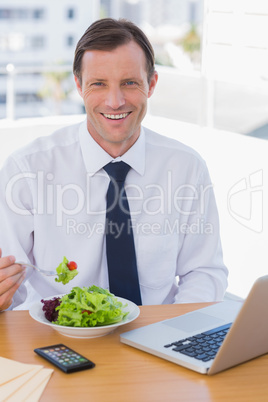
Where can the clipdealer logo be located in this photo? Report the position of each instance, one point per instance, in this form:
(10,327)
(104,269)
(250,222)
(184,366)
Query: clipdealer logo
(71,199)
(245,201)
(166,227)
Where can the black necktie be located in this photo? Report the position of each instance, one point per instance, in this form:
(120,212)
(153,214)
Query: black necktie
(120,248)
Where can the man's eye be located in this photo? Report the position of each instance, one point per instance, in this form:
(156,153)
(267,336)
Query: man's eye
(97,84)
(130,83)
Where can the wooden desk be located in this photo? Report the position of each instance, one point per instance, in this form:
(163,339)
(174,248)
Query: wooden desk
(125,374)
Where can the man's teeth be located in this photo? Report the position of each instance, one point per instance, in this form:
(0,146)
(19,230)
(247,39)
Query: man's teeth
(115,116)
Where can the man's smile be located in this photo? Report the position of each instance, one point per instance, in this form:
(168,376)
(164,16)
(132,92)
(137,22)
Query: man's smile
(116,116)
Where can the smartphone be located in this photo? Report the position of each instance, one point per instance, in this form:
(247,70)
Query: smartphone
(64,358)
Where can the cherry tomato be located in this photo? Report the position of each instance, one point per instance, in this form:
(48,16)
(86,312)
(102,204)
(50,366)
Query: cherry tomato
(72,265)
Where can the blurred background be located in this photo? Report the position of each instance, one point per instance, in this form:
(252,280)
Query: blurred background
(212,56)
(212,94)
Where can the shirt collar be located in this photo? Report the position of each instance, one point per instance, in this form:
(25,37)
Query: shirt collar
(95,157)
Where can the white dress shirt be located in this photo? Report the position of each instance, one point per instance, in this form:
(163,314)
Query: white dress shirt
(53,204)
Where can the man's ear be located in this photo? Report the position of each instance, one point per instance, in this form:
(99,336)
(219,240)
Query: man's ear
(153,83)
(78,85)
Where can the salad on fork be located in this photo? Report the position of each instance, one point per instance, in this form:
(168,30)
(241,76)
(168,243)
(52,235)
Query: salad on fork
(66,270)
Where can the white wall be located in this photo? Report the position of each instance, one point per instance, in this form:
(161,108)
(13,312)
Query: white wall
(238,167)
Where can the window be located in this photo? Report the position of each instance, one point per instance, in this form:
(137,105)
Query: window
(38,14)
(71,13)
(37,42)
(12,42)
(21,13)
(23,97)
(70,41)
(2,99)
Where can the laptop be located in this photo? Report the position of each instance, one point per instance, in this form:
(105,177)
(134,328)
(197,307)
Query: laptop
(211,339)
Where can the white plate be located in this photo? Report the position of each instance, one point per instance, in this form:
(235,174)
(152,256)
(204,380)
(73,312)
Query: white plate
(38,314)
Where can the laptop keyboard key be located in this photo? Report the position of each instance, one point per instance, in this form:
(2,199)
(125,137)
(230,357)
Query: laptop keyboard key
(202,346)
(188,353)
(201,357)
(207,359)
(218,329)
(180,348)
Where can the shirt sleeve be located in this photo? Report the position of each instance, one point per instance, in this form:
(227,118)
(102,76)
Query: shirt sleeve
(200,267)
(16,218)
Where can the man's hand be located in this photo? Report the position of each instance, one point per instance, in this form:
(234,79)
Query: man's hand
(11,277)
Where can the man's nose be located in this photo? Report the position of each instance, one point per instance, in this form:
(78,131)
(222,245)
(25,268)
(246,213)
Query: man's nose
(115,98)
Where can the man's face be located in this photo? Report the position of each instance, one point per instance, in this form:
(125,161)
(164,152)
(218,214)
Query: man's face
(115,89)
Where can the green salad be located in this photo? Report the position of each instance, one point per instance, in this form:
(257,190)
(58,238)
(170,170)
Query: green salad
(66,271)
(88,307)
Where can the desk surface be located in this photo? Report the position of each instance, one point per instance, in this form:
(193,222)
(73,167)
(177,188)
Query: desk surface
(123,373)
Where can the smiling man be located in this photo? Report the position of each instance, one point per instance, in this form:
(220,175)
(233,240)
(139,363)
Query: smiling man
(134,209)
(115,85)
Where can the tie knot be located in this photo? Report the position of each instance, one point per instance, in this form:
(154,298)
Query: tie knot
(117,170)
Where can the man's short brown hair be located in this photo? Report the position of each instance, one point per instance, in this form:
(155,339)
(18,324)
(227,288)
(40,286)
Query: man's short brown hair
(108,34)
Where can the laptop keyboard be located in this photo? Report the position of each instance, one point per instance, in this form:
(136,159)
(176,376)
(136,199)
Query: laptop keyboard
(202,346)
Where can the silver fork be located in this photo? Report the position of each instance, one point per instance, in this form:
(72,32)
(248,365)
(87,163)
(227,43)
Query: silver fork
(42,271)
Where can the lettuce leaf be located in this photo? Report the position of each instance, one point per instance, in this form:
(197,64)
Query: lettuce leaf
(89,307)
(64,274)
